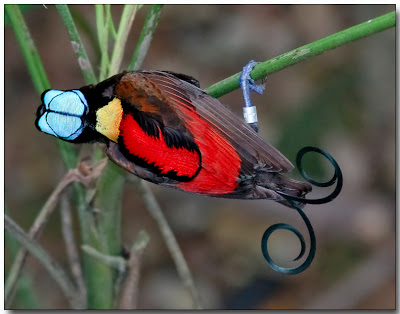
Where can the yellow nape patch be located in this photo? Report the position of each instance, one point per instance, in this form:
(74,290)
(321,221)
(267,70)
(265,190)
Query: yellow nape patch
(109,118)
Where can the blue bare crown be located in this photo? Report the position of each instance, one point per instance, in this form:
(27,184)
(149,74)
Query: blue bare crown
(61,113)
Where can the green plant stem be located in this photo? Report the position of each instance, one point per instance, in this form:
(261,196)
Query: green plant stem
(54,269)
(108,195)
(106,237)
(23,8)
(103,231)
(127,17)
(77,44)
(28,48)
(86,30)
(36,70)
(146,36)
(41,83)
(109,199)
(102,35)
(109,21)
(98,277)
(110,185)
(283,61)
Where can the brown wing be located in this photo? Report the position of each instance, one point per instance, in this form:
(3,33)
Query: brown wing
(169,97)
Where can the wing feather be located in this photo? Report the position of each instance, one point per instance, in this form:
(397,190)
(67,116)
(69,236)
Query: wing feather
(252,149)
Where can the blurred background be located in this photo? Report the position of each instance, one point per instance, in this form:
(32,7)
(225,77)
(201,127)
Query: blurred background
(342,101)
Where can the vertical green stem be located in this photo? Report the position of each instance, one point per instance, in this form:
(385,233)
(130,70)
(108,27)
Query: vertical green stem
(127,17)
(146,36)
(102,228)
(109,196)
(41,83)
(109,21)
(28,48)
(37,72)
(109,186)
(77,44)
(102,34)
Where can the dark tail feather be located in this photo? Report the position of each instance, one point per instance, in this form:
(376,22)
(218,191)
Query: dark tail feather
(293,187)
(268,186)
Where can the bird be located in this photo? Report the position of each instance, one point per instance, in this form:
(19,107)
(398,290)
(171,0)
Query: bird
(162,127)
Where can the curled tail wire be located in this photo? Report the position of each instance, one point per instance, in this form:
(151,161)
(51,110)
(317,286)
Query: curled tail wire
(297,203)
(286,191)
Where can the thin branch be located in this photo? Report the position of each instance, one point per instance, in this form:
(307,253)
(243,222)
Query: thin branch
(116,262)
(146,36)
(72,251)
(130,288)
(127,17)
(25,290)
(183,270)
(263,69)
(54,269)
(35,231)
(73,175)
(77,45)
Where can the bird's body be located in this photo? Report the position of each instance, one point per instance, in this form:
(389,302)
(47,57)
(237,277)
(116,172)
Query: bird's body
(163,128)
